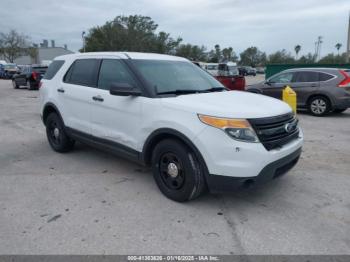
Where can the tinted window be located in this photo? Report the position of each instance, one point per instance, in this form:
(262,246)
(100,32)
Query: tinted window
(305,77)
(282,78)
(114,71)
(82,72)
(40,70)
(53,69)
(325,77)
(167,76)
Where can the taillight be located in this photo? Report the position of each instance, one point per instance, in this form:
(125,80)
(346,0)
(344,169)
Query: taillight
(34,75)
(346,81)
(40,84)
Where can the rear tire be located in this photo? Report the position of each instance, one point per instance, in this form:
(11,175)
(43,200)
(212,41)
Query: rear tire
(30,86)
(177,172)
(56,135)
(14,84)
(319,106)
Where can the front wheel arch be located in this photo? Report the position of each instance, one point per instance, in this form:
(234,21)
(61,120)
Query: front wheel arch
(48,109)
(168,133)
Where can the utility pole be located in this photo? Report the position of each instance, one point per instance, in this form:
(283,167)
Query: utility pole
(348,46)
(83,37)
(318,44)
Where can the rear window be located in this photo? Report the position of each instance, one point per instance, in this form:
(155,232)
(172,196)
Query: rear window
(82,72)
(41,70)
(53,69)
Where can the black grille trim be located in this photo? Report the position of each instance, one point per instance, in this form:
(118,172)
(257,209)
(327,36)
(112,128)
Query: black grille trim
(271,131)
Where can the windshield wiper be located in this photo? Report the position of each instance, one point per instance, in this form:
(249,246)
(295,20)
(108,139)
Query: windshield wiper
(214,89)
(191,91)
(179,92)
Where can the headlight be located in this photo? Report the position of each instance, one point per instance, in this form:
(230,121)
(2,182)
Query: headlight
(238,129)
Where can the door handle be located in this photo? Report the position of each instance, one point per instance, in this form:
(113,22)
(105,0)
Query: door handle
(97,98)
(60,90)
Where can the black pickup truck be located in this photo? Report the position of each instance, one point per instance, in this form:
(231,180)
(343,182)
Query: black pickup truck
(29,76)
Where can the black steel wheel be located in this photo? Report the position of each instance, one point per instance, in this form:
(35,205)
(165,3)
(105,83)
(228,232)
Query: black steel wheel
(56,135)
(177,171)
(171,171)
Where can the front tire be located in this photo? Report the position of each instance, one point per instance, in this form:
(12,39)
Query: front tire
(56,135)
(319,106)
(177,172)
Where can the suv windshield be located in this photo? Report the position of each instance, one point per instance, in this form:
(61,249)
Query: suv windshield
(174,76)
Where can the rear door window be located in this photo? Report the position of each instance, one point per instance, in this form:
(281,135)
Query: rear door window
(114,71)
(83,72)
(307,77)
(53,69)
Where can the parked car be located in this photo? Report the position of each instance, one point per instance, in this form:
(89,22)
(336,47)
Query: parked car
(165,112)
(247,71)
(320,90)
(8,70)
(212,68)
(229,76)
(29,76)
(260,70)
(242,71)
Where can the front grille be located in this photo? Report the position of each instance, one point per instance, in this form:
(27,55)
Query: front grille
(274,132)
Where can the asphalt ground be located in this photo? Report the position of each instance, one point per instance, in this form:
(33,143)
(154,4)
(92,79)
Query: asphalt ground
(90,202)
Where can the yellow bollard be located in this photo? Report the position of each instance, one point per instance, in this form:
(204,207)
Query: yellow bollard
(290,97)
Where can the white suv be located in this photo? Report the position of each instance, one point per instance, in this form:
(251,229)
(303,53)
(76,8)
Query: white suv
(165,112)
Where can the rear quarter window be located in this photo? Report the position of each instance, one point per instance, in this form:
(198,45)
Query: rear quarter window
(325,77)
(53,69)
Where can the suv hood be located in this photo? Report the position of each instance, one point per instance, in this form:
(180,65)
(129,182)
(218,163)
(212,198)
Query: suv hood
(233,104)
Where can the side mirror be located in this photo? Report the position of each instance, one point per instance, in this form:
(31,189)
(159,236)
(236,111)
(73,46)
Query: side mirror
(123,89)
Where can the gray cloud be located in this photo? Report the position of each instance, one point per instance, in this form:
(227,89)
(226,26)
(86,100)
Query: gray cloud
(269,24)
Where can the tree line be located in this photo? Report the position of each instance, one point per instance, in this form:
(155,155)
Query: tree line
(139,34)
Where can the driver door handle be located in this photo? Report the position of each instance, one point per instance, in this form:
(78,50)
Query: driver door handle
(60,90)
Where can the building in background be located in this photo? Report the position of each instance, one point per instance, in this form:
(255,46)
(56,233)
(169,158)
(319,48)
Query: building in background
(44,53)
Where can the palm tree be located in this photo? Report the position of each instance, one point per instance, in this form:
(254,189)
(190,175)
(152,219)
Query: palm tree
(338,46)
(297,49)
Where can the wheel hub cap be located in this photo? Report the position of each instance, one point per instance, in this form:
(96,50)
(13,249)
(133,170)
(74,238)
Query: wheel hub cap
(173,171)
(56,132)
(318,106)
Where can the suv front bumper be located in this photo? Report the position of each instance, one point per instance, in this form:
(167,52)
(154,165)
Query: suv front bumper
(218,183)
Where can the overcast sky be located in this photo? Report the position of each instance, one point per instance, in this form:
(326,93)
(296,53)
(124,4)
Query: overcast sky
(269,24)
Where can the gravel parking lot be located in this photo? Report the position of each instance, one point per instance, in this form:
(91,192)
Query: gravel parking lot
(90,202)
